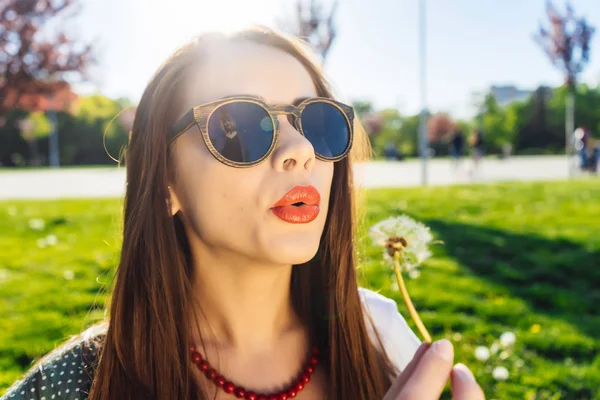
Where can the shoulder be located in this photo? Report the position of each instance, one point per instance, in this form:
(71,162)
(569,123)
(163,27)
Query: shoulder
(398,340)
(64,373)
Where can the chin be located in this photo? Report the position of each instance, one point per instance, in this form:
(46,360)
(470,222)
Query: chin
(295,252)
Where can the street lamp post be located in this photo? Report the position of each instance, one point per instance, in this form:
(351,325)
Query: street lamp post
(423,71)
(53,147)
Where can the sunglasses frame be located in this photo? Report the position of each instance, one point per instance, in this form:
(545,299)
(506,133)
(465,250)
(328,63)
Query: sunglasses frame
(200,116)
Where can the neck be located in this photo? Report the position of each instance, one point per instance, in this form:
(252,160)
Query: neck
(241,303)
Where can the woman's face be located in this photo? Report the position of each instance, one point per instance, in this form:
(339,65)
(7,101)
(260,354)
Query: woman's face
(227,209)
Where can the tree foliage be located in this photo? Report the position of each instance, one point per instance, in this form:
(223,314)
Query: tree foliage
(92,125)
(35,60)
(566,42)
(314,23)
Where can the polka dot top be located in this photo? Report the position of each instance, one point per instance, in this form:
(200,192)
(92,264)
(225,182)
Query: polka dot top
(66,373)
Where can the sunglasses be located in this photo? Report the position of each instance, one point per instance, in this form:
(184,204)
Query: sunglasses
(242,131)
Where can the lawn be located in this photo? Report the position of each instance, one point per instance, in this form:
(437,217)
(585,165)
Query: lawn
(520,258)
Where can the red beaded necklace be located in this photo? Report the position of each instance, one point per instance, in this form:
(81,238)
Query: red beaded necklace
(241,393)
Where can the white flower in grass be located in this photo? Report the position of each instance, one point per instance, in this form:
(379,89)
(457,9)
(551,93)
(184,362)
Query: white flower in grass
(494,348)
(68,275)
(482,353)
(457,336)
(403,234)
(519,363)
(500,373)
(37,224)
(51,240)
(507,339)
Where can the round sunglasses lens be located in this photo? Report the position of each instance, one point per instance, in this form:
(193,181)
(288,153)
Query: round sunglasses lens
(326,128)
(241,131)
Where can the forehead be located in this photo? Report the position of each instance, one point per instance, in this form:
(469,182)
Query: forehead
(250,69)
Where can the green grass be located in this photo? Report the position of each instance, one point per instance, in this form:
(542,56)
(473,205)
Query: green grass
(516,257)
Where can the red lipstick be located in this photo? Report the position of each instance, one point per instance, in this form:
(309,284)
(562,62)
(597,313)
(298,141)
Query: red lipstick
(298,206)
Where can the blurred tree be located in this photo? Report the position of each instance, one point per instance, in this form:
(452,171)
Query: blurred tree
(373,124)
(362,108)
(498,130)
(94,133)
(409,135)
(315,25)
(531,122)
(371,121)
(439,126)
(388,133)
(36,126)
(34,61)
(567,43)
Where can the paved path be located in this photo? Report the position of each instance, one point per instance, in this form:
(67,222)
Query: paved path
(110,182)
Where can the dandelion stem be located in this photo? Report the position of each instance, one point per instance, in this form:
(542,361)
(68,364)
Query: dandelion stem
(409,304)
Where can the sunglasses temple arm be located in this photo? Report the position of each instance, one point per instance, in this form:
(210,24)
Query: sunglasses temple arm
(183,124)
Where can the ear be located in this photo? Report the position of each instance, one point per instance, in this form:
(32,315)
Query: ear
(173,201)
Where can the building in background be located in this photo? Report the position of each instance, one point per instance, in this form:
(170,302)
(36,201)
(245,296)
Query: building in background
(507,94)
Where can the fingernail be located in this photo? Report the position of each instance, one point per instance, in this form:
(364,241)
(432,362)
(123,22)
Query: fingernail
(463,372)
(444,349)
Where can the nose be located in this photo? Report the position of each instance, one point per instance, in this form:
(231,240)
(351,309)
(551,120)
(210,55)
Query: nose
(293,150)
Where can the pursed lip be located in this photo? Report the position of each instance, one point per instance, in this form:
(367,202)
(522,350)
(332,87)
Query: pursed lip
(298,206)
(308,195)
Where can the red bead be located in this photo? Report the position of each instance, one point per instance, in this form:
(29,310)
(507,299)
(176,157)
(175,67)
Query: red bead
(211,374)
(196,357)
(313,360)
(251,396)
(220,381)
(315,351)
(240,393)
(309,369)
(261,397)
(283,396)
(305,378)
(299,386)
(273,397)
(203,366)
(292,393)
(229,387)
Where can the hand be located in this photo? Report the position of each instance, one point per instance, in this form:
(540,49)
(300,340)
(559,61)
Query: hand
(425,377)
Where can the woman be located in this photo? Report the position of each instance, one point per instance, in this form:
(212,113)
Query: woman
(237,278)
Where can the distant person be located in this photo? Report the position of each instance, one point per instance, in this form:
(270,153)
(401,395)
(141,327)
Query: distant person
(582,141)
(593,155)
(391,152)
(477,150)
(457,144)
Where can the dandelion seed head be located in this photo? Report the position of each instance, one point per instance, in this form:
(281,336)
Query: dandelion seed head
(482,353)
(500,373)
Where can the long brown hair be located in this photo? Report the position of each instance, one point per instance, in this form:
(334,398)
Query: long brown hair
(145,351)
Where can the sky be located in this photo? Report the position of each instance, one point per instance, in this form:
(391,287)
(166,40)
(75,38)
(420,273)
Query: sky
(469,45)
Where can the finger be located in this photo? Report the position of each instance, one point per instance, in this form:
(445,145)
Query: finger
(431,374)
(464,386)
(406,373)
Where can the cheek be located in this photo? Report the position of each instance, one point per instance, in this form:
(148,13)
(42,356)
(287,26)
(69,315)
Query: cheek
(324,172)
(217,201)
